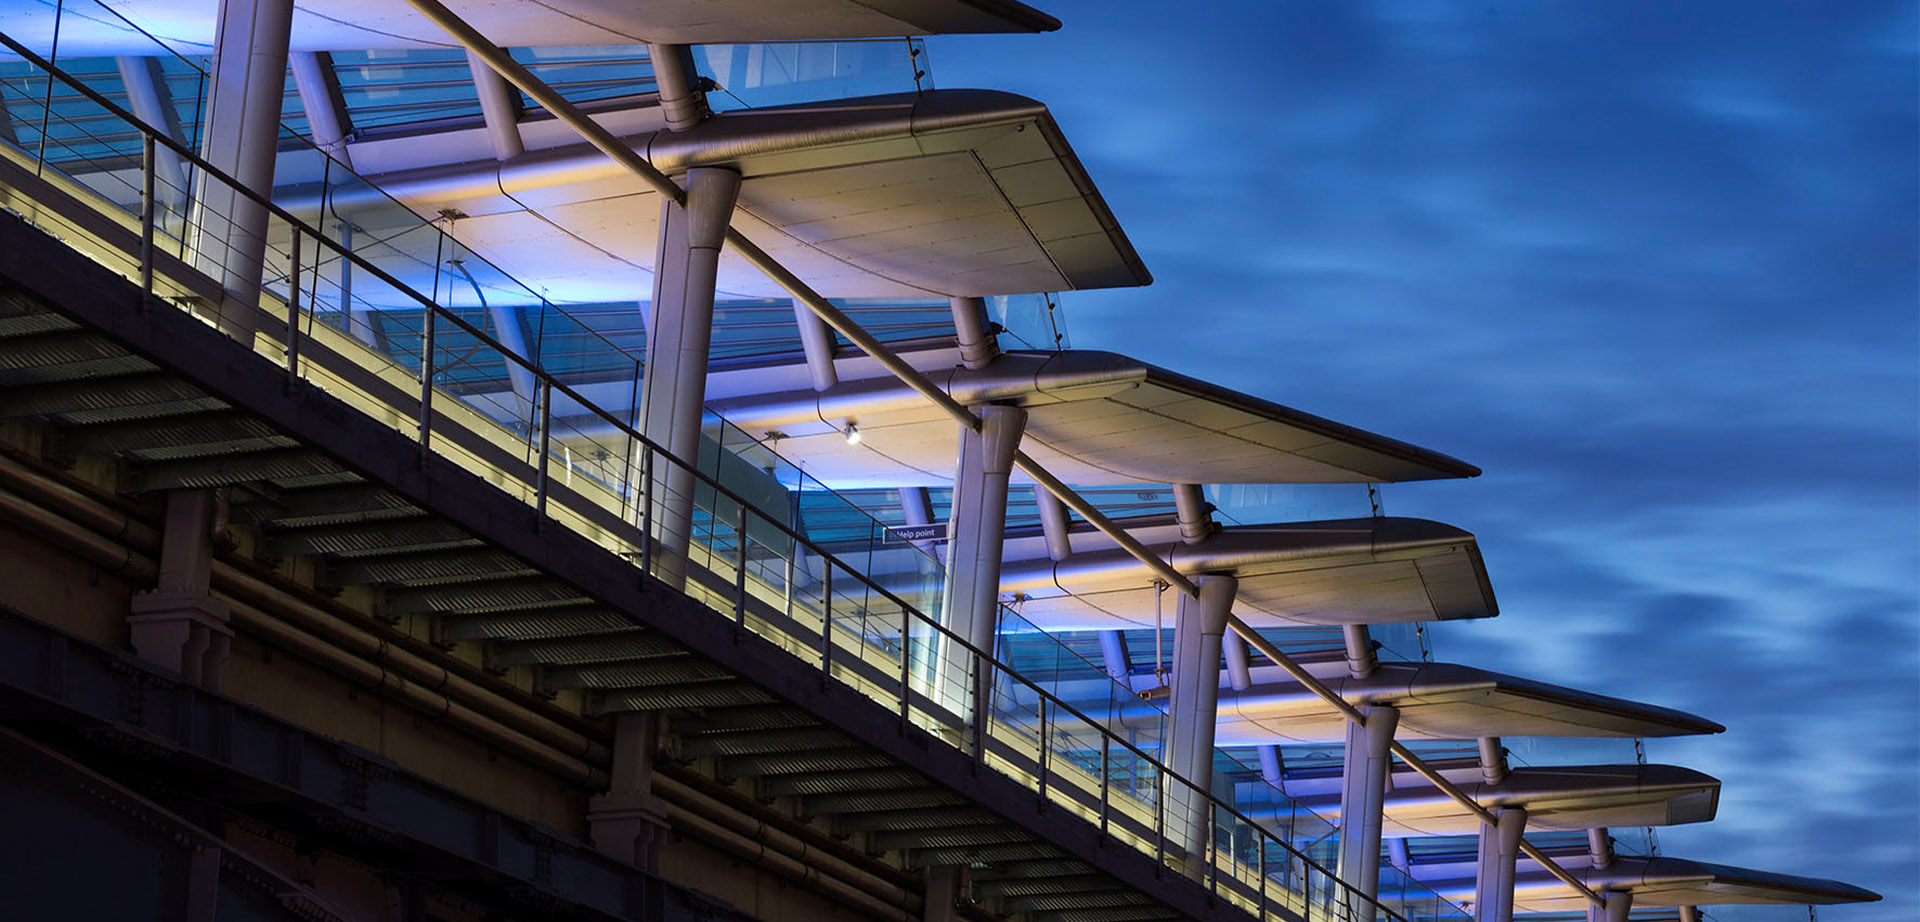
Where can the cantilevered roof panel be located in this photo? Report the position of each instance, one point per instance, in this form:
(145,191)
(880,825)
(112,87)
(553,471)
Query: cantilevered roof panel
(1438,701)
(942,193)
(1349,571)
(1662,881)
(336,25)
(1563,799)
(1093,418)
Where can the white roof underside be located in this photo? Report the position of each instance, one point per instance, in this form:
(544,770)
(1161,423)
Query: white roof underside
(1352,571)
(1094,418)
(1438,701)
(948,192)
(1654,882)
(335,25)
(1556,799)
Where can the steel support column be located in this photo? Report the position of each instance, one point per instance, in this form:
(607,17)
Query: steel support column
(629,822)
(973,331)
(1054,525)
(179,625)
(320,100)
(241,137)
(673,390)
(1620,903)
(1191,509)
(148,97)
(1494,874)
(1363,791)
(500,107)
(977,531)
(1194,703)
(947,890)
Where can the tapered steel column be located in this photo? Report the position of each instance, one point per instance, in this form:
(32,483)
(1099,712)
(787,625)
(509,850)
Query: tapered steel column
(1194,703)
(673,388)
(319,99)
(1620,903)
(500,107)
(1493,877)
(241,137)
(977,531)
(179,624)
(152,104)
(1363,791)
(629,822)
(973,331)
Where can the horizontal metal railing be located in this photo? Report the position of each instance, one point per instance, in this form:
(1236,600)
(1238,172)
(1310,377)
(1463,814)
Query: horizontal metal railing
(748,564)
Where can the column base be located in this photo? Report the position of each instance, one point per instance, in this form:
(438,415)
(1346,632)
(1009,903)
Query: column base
(187,634)
(630,826)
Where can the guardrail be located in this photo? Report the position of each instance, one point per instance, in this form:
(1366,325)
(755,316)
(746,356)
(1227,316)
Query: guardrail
(744,561)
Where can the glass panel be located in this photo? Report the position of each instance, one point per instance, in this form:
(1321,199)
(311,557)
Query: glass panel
(759,76)
(399,86)
(587,74)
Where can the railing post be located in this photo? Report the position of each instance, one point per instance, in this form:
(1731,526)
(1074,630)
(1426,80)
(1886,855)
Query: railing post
(148,162)
(426,382)
(1045,750)
(826,633)
(1260,873)
(1106,780)
(646,507)
(1160,825)
(293,308)
(545,395)
(982,706)
(826,601)
(740,570)
(906,665)
(1209,848)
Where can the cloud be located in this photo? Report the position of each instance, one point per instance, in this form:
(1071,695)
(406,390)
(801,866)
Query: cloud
(1651,265)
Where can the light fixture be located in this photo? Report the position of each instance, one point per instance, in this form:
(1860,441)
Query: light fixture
(853,433)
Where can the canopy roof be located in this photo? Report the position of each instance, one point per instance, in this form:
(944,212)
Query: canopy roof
(1093,418)
(1437,701)
(1347,571)
(1654,882)
(1563,798)
(390,24)
(945,192)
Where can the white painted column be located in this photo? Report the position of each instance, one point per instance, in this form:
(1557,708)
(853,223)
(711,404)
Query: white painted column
(973,332)
(1620,903)
(976,533)
(1494,874)
(948,885)
(1194,704)
(179,624)
(629,822)
(152,104)
(1363,791)
(673,390)
(1194,514)
(321,105)
(241,139)
(499,107)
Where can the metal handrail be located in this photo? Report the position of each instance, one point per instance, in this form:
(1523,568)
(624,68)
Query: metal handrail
(551,384)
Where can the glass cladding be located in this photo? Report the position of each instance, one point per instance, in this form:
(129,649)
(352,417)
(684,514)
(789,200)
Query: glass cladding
(756,76)
(404,86)
(587,74)
(43,115)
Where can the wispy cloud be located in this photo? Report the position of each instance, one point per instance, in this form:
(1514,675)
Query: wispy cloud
(1653,266)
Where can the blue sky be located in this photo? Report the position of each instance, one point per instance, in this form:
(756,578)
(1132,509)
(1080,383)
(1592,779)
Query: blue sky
(1652,266)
